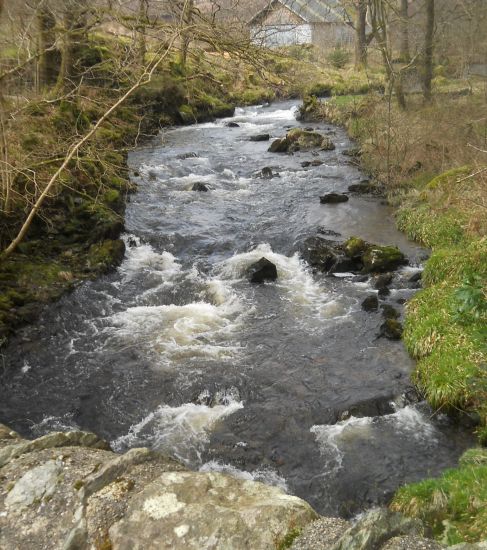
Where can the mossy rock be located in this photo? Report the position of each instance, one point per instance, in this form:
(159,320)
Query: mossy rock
(449,177)
(378,259)
(186,114)
(304,140)
(355,246)
(105,255)
(280,145)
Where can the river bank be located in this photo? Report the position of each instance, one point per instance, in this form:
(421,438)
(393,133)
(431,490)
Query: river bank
(445,322)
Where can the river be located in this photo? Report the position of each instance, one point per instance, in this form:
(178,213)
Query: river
(177,351)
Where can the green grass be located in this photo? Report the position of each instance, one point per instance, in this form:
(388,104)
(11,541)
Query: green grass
(454,505)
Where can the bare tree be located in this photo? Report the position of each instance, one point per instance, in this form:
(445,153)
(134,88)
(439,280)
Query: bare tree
(428,50)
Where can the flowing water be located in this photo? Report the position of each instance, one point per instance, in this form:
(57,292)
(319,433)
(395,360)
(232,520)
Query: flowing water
(177,351)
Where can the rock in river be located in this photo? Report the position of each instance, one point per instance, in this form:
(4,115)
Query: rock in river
(333,198)
(200,186)
(301,140)
(371,303)
(261,271)
(391,329)
(260,137)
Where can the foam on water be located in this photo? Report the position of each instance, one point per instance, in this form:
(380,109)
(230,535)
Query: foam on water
(50,424)
(143,257)
(294,279)
(261,113)
(182,432)
(174,332)
(264,475)
(406,422)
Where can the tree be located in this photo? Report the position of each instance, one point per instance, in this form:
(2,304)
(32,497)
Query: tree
(404,29)
(47,67)
(428,50)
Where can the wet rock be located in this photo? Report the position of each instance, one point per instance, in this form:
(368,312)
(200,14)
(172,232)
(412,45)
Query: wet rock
(389,312)
(232,125)
(371,303)
(391,329)
(401,301)
(379,259)
(383,292)
(200,186)
(315,162)
(132,242)
(261,271)
(298,139)
(260,137)
(306,163)
(320,253)
(360,279)
(344,264)
(328,232)
(280,145)
(416,277)
(184,156)
(267,173)
(375,406)
(333,198)
(383,281)
(354,152)
(365,188)
(355,247)
(186,510)
(375,528)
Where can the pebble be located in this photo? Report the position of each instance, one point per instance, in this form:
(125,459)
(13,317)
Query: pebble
(411,543)
(320,534)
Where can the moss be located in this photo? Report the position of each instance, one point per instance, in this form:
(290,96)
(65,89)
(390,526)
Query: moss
(31,140)
(111,196)
(287,541)
(382,258)
(186,114)
(449,177)
(354,246)
(105,255)
(453,506)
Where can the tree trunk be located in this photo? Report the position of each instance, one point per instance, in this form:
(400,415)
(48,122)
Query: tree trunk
(186,20)
(141,46)
(74,30)
(428,50)
(404,25)
(47,68)
(360,35)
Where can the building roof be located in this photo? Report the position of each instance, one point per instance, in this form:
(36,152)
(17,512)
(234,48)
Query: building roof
(310,11)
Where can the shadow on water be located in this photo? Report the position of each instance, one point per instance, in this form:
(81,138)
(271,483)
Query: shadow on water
(177,351)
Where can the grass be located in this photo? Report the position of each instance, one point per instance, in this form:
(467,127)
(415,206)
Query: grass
(453,505)
(438,183)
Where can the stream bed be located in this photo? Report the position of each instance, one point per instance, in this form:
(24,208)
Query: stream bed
(177,351)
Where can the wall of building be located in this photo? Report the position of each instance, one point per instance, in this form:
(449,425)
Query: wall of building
(332,35)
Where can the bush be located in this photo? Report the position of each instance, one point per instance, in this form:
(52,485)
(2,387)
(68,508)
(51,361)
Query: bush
(339,58)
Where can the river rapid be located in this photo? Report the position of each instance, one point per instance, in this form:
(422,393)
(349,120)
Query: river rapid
(177,351)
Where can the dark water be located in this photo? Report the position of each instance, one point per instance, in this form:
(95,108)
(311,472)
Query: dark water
(176,350)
